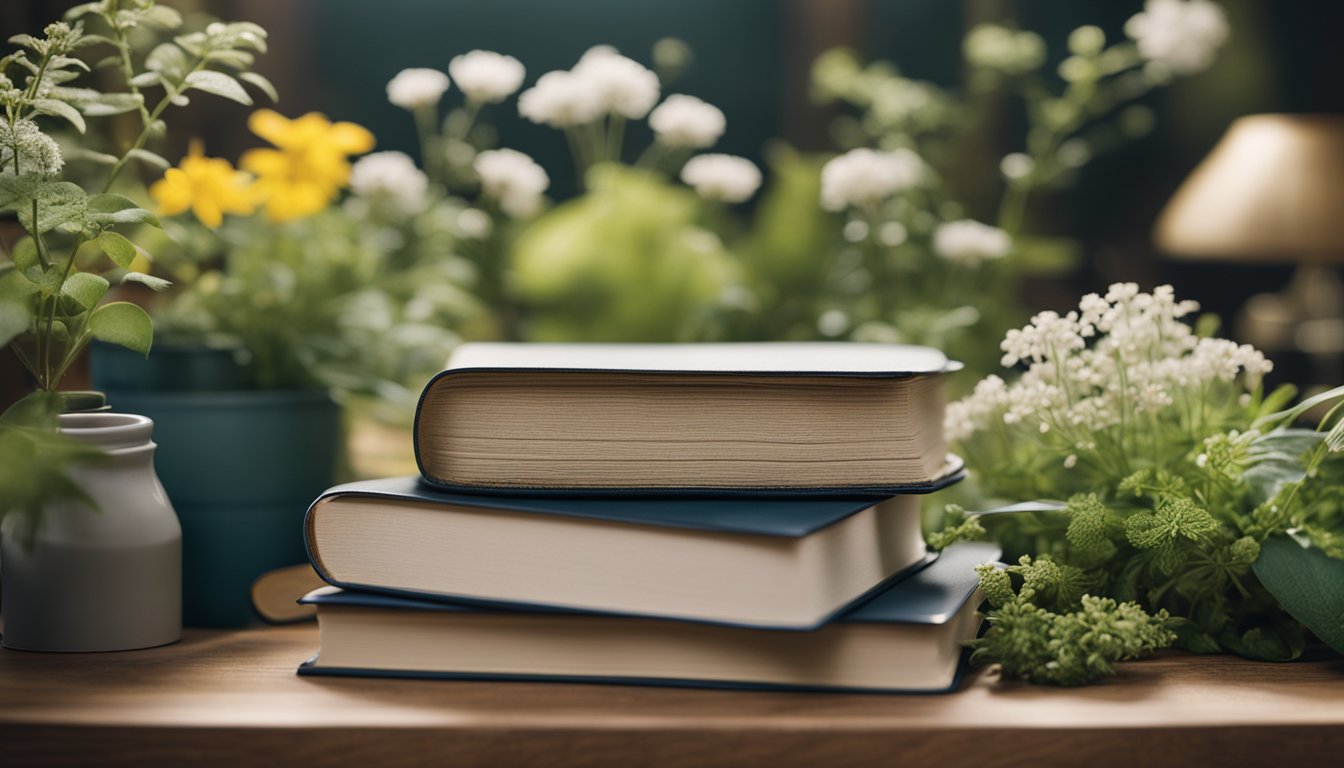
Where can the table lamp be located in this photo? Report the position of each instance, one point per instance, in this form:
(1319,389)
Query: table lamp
(1272,190)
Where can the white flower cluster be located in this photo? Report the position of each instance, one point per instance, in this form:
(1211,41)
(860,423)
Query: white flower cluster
(969,242)
(865,177)
(722,177)
(512,178)
(486,77)
(417,87)
(602,82)
(1142,358)
(1180,36)
(685,121)
(390,176)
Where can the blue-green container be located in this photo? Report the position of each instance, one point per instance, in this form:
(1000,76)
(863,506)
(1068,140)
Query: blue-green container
(240,466)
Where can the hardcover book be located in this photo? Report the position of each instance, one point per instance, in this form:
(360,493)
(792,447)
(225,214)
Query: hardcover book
(778,562)
(908,637)
(768,417)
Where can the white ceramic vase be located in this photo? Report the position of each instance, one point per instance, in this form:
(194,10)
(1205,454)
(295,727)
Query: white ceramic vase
(108,579)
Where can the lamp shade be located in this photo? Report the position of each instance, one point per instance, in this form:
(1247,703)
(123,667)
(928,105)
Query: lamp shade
(1272,190)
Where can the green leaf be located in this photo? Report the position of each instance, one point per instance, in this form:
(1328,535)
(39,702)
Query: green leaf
(167,59)
(16,286)
(1308,585)
(219,84)
(120,250)
(24,254)
(82,153)
(85,289)
(261,83)
(111,208)
(111,104)
(232,58)
(149,158)
(162,16)
(146,79)
(17,191)
(83,9)
(15,318)
(151,282)
(58,203)
(124,324)
(24,41)
(60,109)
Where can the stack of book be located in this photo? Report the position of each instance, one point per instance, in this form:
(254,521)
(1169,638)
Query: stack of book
(727,515)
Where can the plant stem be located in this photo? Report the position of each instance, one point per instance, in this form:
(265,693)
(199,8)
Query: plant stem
(169,92)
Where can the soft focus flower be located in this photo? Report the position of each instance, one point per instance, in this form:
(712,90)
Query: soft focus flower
(969,242)
(474,223)
(864,177)
(391,176)
(309,164)
(512,178)
(417,87)
(1002,49)
(685,121)
(1016,166)
(209,186)
(623,86)
(486,76)
(561,100)
(38,152)
(1180,35)
(722,177)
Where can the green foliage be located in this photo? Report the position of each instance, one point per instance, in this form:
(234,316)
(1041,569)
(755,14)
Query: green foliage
(35,461)
(625,262)
(957,526)
(1046,632)
(1307,582)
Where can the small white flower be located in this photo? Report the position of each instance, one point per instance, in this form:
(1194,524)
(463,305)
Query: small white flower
(417,87)
(561,100)
(474,223)
(864,177)
(485,76)
(832,322)
(38,152)
(855,230)
(892,234)
(512,178)
(1016,166)
(1181,36)
(685,121)
(623,86)
(722,177)
(1071,461)
(392,176)
(970,242)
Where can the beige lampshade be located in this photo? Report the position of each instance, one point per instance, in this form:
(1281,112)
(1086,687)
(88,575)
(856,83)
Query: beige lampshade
(1272,190)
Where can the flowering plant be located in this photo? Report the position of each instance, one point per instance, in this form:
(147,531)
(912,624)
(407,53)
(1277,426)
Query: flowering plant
(304,290)
(932,251)
(636,256)
(1185,492)
(55,281)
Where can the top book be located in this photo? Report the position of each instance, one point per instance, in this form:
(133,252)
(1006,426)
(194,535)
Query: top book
(658,418)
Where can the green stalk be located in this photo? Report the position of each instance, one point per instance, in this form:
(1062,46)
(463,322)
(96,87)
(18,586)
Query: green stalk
(140,140)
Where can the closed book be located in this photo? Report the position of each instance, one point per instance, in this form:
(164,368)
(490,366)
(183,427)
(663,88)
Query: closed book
(784,418)
(778,562)
(907,637)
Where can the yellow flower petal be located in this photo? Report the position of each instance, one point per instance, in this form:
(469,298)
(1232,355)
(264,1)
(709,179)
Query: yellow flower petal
(350,138)
(269,125)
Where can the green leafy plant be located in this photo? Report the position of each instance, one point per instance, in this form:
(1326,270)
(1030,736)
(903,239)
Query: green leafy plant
(1181,480)
(54,286)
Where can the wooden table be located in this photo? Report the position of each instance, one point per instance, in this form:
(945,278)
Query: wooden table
(231,697)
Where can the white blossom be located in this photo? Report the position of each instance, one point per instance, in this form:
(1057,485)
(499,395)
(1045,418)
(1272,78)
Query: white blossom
(722,177)
(417,87)
(485,76)
(560,99)
(1118,356)
(1180,36)
(685,121)
(623,86)
(969,242)
(865,177)
(512,178)
(474,223)
(392,176)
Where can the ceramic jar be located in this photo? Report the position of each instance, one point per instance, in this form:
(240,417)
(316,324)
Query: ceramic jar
(104,579)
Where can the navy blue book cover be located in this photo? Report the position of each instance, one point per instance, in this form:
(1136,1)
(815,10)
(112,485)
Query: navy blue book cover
(930,595)
(785,517)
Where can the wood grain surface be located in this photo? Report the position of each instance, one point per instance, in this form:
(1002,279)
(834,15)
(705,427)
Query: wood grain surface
(231,697)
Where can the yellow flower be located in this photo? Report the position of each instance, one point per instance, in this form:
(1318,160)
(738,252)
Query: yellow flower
(309,164)
(209,186)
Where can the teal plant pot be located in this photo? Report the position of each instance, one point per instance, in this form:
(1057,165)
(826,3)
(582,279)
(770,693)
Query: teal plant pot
(240,467)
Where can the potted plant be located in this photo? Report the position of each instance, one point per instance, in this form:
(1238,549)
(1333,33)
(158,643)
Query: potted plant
(91,548)
(293,301)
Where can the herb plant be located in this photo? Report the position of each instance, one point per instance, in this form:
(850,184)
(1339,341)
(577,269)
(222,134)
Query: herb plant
(1177,478)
